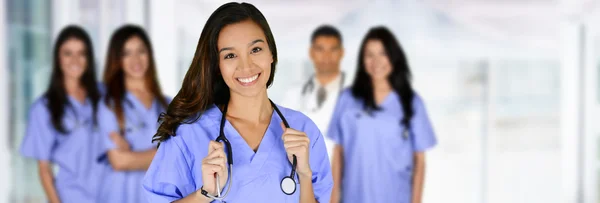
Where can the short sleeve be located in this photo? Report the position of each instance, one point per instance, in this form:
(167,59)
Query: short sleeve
(169,177)
(40,135)
(319,161)
(423,135)
(335,130)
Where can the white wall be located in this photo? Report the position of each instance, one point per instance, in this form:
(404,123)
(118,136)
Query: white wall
(69,14)
(591,92)
(162,31)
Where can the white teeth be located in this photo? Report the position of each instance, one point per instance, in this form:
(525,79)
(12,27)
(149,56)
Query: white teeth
(248,79)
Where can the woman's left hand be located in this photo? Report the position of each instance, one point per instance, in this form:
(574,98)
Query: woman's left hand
(297,143)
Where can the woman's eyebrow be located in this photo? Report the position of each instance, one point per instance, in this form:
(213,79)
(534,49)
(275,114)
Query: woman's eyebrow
(249,44)
(255,41)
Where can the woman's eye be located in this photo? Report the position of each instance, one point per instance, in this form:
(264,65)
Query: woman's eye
(256,50)
(229,56)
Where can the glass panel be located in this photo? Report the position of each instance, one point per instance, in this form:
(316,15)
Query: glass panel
(29,46)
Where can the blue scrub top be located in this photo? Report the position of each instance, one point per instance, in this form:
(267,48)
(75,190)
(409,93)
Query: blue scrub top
(176,172)
(74,152)
(378,161)
(140,126)
(101,88)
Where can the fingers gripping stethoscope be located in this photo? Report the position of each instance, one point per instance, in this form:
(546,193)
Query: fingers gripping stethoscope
(288,184)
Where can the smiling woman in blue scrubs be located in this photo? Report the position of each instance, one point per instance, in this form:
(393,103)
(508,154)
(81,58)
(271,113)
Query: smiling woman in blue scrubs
(224,94)
(62,123)
(128,115)
(381,128)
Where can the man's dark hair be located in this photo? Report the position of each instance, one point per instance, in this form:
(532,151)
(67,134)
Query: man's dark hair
(326,31)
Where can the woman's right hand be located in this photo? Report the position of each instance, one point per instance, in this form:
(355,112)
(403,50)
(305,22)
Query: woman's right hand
(214,163)
(120,141)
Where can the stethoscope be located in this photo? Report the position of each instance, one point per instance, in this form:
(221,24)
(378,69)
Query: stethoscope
(309,86)
(288,184)
(78,123)
(405,131)
(141,120)
(405,134)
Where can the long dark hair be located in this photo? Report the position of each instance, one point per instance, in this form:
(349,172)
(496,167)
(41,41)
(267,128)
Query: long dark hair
(203,84)
(114,75)
(56,95)
(399,79)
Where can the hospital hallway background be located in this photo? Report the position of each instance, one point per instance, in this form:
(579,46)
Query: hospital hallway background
(512,88)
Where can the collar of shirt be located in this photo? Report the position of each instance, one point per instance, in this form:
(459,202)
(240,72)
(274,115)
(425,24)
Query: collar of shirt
(332,87)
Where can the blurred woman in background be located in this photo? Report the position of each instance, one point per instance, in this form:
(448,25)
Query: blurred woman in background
(128,114)
(381,128)
(61,129)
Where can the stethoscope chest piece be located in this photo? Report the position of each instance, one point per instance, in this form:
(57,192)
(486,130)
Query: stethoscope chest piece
(288,185)
(405,134)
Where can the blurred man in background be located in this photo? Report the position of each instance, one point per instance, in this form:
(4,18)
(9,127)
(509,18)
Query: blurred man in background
(317,97)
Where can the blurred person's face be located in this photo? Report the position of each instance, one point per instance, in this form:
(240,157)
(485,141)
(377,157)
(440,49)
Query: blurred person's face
(326,53)
(244,58)
(377,63)
(73,59)
(135,58)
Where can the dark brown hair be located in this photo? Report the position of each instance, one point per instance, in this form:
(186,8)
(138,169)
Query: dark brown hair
(203,84)
(399,79)
(114,75)
(56,95)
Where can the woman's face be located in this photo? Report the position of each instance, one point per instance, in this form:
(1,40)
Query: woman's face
(73,58)
(377,63)
(244,58)
(135,58)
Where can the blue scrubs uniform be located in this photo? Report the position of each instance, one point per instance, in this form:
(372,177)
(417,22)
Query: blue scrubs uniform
(378,160)
(140,126)
(74,153)
(176,169)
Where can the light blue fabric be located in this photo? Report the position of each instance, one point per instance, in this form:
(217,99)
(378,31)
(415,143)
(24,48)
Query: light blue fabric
(176,169)
(73,152)
(140,126)
(378,161)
